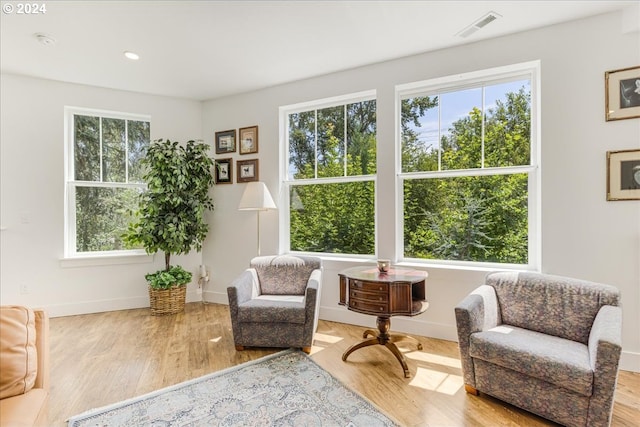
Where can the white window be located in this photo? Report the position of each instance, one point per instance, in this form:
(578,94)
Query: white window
(468,178)
(329,172)
(103,176)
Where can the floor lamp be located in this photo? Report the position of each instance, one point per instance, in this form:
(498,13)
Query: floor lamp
(256,197)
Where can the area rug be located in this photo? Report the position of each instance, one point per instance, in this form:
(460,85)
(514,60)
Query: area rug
(284,389)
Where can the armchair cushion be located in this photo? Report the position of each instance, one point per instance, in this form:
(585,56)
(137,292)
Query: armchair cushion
(18,349)
(552,359)
(269,311)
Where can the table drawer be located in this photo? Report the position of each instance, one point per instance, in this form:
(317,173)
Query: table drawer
(368,286)
(368,307)
(376,297)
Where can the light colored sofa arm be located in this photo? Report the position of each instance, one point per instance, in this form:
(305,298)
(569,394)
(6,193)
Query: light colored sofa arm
(605,346)
(477,312)
(42,345)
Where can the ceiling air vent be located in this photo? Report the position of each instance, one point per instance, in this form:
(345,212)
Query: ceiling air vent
(480,23)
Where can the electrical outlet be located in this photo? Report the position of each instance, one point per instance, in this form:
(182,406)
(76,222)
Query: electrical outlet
(24,290)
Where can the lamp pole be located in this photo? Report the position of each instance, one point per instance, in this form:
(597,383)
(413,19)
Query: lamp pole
(256,197)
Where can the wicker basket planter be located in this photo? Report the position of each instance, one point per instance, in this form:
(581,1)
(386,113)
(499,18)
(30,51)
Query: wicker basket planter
(167,301)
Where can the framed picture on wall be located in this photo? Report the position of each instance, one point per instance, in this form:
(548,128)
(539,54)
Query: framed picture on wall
(623,175)
(247,170)
(249,140)
(224,171)
(622,93)
(226,141)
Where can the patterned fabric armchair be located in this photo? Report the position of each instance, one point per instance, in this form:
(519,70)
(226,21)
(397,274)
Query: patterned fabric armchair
(275,302)
(548,344)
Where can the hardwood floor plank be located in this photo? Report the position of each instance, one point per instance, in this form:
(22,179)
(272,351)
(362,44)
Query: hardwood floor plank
(103,358)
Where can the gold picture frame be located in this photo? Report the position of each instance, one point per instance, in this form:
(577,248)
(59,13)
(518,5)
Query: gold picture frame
(622,93)
(247,170)
(248,140)
(623,175)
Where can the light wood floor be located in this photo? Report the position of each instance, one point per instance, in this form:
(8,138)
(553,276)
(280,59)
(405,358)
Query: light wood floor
(98,359)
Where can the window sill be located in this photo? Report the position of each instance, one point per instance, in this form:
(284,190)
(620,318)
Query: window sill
(462,267)
(105,259)
(422,265)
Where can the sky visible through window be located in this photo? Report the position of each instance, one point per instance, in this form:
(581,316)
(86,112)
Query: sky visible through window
(457,105)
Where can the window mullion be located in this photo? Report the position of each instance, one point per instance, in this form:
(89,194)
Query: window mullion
(344,160)
(439,132)
(315,144)
(101,148)
(126,151)
(482,123)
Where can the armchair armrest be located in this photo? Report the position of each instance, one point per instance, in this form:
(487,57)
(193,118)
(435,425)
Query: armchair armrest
(242,288)
(477,312)
(312,291)
(605,340)
(605,346)
(314,280)
(312,296)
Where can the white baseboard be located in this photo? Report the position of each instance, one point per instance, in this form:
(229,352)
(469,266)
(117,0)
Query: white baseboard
(630,361)
(216,297)
(99,306)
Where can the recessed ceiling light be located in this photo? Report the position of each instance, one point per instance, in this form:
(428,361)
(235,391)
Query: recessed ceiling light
(131,55)
(45,39)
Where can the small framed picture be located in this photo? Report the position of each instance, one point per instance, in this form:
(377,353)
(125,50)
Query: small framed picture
(623,175)
(224,171)
(622,93)
(226,141)
(247,170)
(249,140)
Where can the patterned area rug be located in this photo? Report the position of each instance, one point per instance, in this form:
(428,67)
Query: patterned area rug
(284,389)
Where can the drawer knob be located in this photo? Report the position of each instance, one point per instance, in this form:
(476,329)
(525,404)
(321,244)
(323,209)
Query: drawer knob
(381,309)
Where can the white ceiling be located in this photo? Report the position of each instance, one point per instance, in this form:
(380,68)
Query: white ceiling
(207,49)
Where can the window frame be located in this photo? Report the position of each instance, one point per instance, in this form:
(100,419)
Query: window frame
(70,184)
(286,183)
(527,70)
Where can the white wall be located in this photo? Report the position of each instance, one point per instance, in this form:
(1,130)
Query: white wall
(32,215)
(583,235)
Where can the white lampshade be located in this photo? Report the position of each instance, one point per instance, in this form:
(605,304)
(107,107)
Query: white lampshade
(256,197)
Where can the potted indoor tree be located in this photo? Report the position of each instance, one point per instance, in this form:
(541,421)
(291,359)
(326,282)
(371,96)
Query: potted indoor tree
(170,216)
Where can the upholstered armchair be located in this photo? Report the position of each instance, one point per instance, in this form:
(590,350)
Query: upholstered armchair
(547,344)
(275,302)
